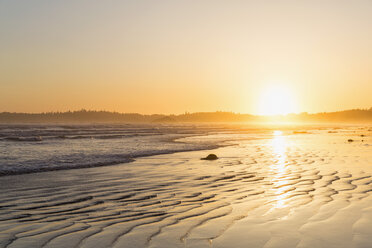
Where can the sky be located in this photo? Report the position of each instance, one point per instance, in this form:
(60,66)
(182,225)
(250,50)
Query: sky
(258,57)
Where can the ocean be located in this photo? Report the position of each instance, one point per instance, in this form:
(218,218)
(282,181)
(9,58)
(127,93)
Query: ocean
(34,148)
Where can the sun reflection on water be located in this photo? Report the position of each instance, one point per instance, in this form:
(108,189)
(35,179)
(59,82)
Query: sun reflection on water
(279,169)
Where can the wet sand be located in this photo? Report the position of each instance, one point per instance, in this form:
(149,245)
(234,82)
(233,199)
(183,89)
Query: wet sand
(300,190)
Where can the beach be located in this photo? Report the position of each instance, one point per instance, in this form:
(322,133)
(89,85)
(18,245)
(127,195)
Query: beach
(186,124)
(281,189)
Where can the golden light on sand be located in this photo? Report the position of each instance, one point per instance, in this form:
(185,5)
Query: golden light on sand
(277,100)
(279,147)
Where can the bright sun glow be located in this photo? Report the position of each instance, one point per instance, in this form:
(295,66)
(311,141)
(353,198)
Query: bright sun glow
(277,100)
(277,132)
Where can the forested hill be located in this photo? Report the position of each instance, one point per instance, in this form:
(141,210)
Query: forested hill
(85,116)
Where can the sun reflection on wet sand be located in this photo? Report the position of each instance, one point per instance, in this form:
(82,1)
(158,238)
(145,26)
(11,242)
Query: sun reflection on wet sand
(279,169)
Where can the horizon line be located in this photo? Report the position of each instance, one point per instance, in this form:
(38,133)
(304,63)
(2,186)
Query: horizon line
(186,112)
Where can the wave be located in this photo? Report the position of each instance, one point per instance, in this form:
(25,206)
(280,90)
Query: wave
(87,162)
(36,148)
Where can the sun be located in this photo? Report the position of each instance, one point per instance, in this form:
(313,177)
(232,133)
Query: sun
(277,100)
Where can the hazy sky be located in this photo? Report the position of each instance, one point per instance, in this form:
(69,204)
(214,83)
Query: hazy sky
(175,56)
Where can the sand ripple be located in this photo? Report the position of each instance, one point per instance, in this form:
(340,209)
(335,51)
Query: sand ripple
(280,192)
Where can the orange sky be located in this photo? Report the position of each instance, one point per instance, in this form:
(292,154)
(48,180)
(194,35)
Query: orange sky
(177,56)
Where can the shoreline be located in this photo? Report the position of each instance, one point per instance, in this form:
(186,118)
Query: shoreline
(129,159)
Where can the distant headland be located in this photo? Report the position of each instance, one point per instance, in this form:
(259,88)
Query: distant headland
(92,116)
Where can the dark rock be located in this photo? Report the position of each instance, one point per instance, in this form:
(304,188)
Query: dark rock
(350,140)
(210,157)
